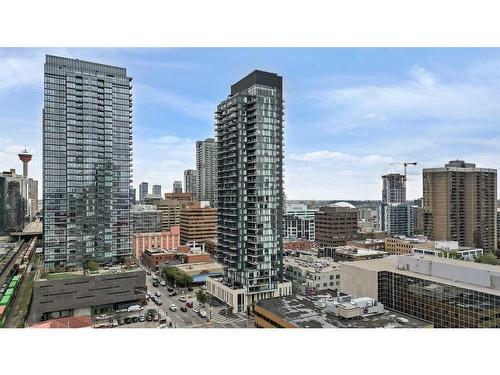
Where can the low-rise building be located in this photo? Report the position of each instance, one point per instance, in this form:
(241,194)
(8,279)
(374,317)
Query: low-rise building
(447,249)
(291,244)
(238,298)
(183,197)
(155,258)
(201,271)
(310,274)
(350,253)
(447,292)
(211,245)
(168,240)
(79,293)
(369,243)
(328,309)
(365,233)
(299,227)
(400,245)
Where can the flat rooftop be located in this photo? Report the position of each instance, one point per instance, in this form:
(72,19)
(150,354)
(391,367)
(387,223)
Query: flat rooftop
(31,229)
(303,312)
(390,264)
(79,273)
(200,266)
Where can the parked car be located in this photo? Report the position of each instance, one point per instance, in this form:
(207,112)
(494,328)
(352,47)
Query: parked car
(170,289)
(182,298)
(148,272)
(157,294)
(184,309)
(121,322)
(156,317)
(173,307)
(155,284)
(115,323)
(163,326)
(163,283)
(155,278)
(149,318)
(190,289)
(202,313)
(204,287)
(135,319)
(142,318)
(171,294)
(189,304)
(158,301)
(128,320)
(135,308)
(196,309)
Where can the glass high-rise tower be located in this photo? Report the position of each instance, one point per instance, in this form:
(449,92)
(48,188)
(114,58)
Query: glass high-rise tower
(206,161)
(249,127)
(87,162)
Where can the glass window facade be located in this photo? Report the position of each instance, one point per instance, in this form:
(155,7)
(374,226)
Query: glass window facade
(87,162)
(444,305)
(249,128)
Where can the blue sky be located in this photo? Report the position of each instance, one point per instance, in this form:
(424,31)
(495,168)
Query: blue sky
(349,113)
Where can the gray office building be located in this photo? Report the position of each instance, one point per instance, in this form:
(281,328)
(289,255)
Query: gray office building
(249,128)
(12,202)
(157,189)
(177,187)
(191,183)
(87,160)
(143,191)
(146,219)
(206,165)
(133,197)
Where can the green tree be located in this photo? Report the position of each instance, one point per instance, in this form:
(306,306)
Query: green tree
(487,258)
(201,297)
(248,310)
(169,274)
(454,255)
(92,265)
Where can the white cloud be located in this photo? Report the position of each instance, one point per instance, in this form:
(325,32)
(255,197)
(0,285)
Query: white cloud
(340,157)
(421,96)
(197,109)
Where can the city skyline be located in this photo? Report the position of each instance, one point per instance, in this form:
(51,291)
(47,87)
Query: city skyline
(341,125)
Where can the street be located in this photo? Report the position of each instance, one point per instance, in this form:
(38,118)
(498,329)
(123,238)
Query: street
(190,319)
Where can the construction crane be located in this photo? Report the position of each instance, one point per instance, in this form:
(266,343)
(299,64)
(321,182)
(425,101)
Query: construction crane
(405,163)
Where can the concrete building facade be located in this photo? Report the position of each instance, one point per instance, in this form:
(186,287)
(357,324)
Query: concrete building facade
(77,294)
(460,204)
(335,225)
(446,292)
(165,240)
(198,223)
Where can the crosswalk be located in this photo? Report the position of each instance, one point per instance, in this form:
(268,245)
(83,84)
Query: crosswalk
(235,321)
